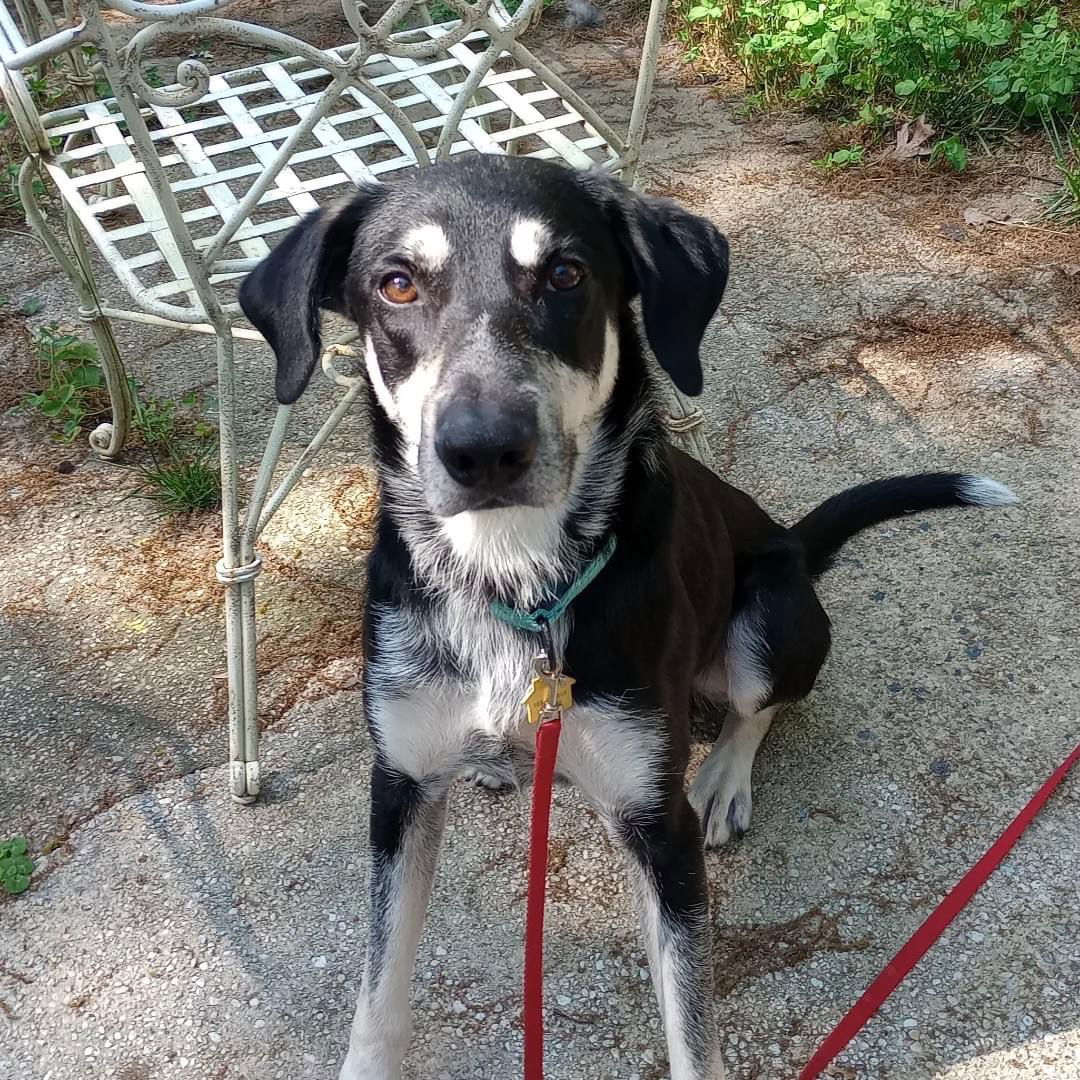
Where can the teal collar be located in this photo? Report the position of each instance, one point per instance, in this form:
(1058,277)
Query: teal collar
(535,620)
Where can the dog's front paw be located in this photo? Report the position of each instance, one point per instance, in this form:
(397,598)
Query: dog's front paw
(361,1066)
(721,796)
(491,781)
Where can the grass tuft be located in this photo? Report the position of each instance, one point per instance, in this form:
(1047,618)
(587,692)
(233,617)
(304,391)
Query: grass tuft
(1063,205)
(181,485)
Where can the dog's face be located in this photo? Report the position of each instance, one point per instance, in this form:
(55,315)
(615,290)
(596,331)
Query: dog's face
(489,293)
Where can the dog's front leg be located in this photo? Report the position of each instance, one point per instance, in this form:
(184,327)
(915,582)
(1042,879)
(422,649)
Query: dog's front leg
(667,866)
(407,820)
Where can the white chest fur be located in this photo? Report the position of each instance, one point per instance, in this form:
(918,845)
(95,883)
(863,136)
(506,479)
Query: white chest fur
(445,678)
(445,695)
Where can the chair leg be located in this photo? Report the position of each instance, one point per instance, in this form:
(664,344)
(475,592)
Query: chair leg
(241,565)
(240,654)
(650,54)
(107,440)
(237,570)
(684,420)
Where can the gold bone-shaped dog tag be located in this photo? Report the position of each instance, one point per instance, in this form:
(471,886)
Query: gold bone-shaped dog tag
(551,692)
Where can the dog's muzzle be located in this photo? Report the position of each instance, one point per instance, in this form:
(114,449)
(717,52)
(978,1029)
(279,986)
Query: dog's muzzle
(486,447)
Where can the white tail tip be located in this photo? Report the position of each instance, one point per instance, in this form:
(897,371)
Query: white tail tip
(982,491)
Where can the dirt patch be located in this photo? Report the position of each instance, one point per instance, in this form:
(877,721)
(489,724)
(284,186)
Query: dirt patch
(31,485)
(954,373)
(1016,246)
(911,177)
(17,976)
(15,359)
(323,25)
(932,200)
(139,592)
(135,1070)
(170,571)
(890,889)
(977,378)
(331,513)
(311,662)
(559,886)
(912,336)
(931,338)
(355,497)
(673,185)
(748,952)
(320,24)
(610,52)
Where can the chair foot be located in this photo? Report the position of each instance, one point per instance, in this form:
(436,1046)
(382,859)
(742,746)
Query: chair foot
(103,441)
(238,782)
(239,582)
(244,780)
(107,440)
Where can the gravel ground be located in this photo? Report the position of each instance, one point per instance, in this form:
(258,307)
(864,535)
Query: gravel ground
(867,331)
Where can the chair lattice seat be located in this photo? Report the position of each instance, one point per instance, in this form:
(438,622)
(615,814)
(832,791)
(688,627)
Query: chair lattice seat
(213,150)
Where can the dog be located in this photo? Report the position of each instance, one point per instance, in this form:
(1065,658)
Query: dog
(517,434)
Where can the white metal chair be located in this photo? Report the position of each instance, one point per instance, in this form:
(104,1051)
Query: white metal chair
(183,189)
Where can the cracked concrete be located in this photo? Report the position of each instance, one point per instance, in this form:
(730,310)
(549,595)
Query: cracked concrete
(169,933)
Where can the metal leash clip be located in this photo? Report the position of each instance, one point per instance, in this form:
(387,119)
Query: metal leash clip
(550,691)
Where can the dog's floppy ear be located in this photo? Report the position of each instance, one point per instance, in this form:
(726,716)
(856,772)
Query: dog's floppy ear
(678,263)
(306,271)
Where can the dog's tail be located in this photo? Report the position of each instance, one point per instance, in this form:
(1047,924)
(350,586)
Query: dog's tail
(827,528)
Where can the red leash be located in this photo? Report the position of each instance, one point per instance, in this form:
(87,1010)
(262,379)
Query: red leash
(878,992)
(547,748)
(920,942)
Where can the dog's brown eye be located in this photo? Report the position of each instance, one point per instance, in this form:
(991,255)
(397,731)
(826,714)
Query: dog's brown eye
(398,288)
(565,275)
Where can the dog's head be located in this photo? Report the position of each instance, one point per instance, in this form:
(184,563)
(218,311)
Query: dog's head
(490,293)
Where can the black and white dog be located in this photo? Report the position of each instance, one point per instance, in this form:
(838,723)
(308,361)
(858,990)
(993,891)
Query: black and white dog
(516,432)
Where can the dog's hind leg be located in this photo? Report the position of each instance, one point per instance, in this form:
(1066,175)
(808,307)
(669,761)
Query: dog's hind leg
(407,821)
(777,641)
(668,875)
(721,792)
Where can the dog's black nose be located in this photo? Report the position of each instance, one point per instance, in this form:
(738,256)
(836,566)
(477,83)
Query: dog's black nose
(481,443)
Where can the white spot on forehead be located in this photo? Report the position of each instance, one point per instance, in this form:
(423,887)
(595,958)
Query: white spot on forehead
(528,239)
(428,245)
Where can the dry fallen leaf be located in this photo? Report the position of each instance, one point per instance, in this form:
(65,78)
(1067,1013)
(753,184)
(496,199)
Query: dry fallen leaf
(911,140)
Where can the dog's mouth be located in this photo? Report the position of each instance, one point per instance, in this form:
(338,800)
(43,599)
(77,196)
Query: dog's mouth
(486,502)
(497,502)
